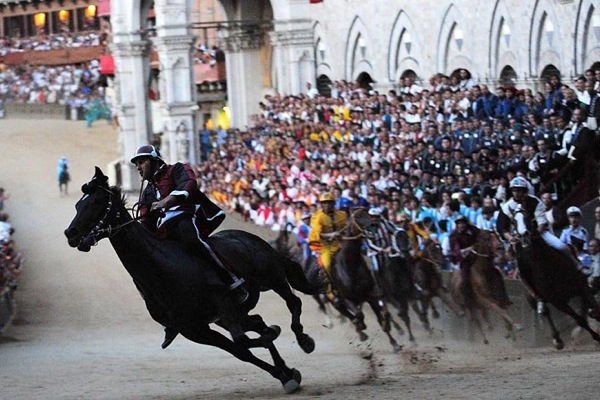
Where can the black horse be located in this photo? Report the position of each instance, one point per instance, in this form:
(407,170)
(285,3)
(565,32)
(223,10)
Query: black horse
(554,279)
(353,281)
(426,269)
(395,276)
(179,288)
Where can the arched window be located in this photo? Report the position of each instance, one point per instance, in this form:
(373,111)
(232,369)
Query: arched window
(364,81)
(548,71)
(324,85)
(508,76)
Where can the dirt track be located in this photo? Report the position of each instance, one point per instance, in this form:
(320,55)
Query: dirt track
(82,331)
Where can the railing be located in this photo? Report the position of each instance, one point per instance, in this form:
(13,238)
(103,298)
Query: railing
(71,55)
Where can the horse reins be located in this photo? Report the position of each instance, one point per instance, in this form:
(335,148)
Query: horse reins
(109,231)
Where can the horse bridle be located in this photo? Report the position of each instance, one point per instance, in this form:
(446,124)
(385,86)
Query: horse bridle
(97,232)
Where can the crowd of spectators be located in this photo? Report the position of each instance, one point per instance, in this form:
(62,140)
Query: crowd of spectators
(62,84)
(431,153)
(10,259)
(54,41)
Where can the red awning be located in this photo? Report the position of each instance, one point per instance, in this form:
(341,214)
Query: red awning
(103,8)
(107,65)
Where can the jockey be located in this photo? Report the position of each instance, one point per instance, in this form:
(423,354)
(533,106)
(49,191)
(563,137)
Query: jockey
(187,214)
(302,236)
(534,213)
(324,237)
(416,235)
(382,241)
(462,240)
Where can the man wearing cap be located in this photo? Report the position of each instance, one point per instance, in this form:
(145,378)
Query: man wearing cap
(174,208)
(324,237)
(575,230)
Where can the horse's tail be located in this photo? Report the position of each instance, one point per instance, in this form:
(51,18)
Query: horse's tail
(297,279)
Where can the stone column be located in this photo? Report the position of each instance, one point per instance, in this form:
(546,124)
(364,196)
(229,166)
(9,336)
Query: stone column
(178,102)
(293,46)
(244,84)
(178,99)
(133,112)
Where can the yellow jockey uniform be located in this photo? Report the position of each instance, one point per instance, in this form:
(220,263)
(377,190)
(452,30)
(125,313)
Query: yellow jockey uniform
(323,223)
(413,231)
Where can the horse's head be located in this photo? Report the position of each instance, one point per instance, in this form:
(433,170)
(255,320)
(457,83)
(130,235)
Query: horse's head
(92,211)
(432,252)
(488,243)
(359,223)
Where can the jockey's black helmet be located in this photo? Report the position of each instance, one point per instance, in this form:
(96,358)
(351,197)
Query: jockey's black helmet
(147,150)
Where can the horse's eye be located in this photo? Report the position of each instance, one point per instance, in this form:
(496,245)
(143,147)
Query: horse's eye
(86,188)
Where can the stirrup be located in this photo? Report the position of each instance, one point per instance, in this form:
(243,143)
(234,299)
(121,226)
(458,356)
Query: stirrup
(239,292)
(236,283)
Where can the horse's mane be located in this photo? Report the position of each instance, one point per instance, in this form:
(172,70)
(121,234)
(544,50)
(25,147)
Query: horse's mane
(118,193)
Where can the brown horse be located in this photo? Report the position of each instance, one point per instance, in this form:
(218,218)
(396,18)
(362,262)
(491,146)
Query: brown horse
(428,277)
(486,286)
(354,282)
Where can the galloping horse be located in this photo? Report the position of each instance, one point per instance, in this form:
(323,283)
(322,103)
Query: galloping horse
(554,279)
(352,279)
(486,286)
(179,288)
(427,276)
(395,277)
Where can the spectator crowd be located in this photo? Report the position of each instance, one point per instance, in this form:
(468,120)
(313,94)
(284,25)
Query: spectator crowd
(10,259)
(429,153)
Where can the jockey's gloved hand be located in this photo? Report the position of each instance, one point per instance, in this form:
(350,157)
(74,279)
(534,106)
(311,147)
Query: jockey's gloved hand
(158,213)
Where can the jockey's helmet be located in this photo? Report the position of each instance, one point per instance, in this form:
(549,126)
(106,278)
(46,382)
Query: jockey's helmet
(461,218)
(573,211)
(147,150)
(305,216)
(518,183)
(326,197)
(375,212)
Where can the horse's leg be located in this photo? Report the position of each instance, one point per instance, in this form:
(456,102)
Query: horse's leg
(510,324)
(384,317)
(294,304)
(434,312)
(403,314)
(290,382)
(470,312)
(581,321)
(423,311)
(532,299)
(322,302)
(354,313)
(445,297)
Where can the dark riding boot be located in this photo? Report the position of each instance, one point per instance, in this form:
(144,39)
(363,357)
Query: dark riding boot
(170,335)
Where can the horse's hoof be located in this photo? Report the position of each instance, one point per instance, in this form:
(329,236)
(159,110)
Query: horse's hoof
(558,344)
(397,348)
(436,315)
(518,327)
(293,384)
(306,343)
(362,336)
(486,341)
(271,333)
